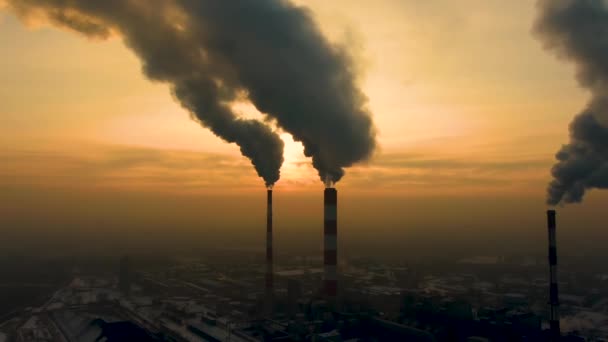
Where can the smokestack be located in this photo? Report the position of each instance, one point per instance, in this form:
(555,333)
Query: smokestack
(269,261)
(553,295)
(330,256)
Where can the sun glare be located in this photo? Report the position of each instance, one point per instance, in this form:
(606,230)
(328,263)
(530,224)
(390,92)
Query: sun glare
(296,167)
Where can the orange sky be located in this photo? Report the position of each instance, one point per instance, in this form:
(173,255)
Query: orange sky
(466,102)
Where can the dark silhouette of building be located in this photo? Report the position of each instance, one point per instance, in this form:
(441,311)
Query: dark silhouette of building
(123,332)
(294,293)
(124,276)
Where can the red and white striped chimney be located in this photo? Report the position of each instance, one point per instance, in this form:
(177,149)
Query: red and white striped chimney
(553,294)
(269,261)
(330,257)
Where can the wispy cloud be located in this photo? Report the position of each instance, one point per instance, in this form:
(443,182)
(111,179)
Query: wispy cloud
(132,168)
(416,161)
(450,173)
(125,167)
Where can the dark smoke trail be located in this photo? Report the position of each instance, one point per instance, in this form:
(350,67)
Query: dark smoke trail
(267,51)
(576,30)
(156,30)
(293,74)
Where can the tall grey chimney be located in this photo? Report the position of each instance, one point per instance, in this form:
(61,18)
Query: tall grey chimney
(269,289)
(553,293)
(330,234)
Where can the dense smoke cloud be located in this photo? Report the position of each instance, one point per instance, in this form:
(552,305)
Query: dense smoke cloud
(576,30)
(156,31)
(214,52)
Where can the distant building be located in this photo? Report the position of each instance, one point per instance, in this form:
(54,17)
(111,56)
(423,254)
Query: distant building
(294,293)
(124,276)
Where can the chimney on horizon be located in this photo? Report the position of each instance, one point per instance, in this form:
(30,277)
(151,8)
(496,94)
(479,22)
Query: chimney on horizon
(269,252)
(553,293)
(330,234)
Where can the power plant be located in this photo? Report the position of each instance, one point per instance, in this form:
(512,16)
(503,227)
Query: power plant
(553,294)
(330,243)
(330,258)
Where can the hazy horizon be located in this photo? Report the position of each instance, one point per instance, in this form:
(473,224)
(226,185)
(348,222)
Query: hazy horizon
(470,110)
